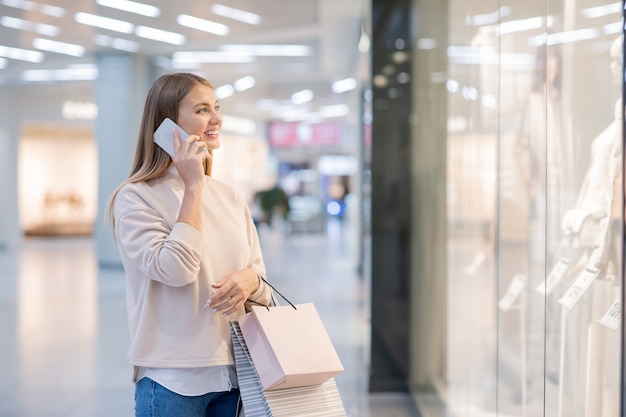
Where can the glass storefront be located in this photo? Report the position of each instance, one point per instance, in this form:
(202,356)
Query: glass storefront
(517,206)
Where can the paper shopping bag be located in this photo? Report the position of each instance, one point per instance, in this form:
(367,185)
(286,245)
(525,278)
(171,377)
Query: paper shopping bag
(312,401)
(289,346)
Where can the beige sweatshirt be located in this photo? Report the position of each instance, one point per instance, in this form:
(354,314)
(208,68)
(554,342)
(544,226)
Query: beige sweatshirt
(170,267)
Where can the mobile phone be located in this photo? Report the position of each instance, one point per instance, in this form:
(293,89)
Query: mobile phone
(164,135)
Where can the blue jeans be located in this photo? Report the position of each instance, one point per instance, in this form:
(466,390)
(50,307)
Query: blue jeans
(154,400)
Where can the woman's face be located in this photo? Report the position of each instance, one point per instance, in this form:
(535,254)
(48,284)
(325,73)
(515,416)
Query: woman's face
(198,114)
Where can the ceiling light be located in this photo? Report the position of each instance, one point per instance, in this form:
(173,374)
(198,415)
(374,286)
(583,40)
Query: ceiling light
(82,73)
(202,24)
(116,43)
(302,97)
(160,35)
(180,59)
(20,4)
(244,83)
(15,23)
(224,91)
(59,47)
(3,62)
(344,85)
(236,14)
(104,22)
(132,7)
(21,24)
(41,28)
(21,54)
(336,110)
(53,11)
(45,29)
(269,50)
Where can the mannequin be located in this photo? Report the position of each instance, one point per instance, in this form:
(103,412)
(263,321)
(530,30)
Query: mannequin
(588,224)
(593,227)
(582,230)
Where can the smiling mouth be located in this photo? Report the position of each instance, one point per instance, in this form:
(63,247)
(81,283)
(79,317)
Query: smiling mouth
(212,133)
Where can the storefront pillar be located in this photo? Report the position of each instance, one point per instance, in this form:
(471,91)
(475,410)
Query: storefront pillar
(120,91)
(10,234)
(391,196)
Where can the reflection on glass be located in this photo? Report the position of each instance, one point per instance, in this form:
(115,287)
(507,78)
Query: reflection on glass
(534,145)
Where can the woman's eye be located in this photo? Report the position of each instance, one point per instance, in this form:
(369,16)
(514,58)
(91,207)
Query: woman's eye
(203,110)
(217,108)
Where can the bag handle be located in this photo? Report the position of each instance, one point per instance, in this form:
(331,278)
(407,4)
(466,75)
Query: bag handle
(273,301)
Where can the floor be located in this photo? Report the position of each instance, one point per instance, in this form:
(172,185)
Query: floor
(63,334)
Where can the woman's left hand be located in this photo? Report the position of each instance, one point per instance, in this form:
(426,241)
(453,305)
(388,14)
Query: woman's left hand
(231,292)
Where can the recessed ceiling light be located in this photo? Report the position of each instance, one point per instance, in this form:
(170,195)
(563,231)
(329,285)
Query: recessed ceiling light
(20,4)
(104,22)
(160,35)
(59,47)
(132,7)
(342,86)
(85,73)
(21,54)
(182,58)
(224,91)
(202,24)
(269,50)
(302,97)
(236,14)
(21,24)
(53,11)
(31,6)
(244,83)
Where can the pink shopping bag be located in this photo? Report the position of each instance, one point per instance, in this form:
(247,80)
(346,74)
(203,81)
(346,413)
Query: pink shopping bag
(289,346)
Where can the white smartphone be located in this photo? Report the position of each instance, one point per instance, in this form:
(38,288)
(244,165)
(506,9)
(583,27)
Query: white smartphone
(164,135)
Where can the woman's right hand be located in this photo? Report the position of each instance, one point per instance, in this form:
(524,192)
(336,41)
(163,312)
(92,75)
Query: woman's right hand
(188,157)
(189,153)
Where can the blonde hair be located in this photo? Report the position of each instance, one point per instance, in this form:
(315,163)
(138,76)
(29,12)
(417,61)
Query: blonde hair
(162,101)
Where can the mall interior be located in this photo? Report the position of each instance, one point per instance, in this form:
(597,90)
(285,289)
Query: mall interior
(443,179)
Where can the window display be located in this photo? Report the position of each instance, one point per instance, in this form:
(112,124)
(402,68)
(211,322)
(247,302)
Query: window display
(535,192)
(57,180)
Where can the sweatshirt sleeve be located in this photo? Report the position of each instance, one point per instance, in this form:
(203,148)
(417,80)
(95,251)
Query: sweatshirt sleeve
(170,256)
(263,294)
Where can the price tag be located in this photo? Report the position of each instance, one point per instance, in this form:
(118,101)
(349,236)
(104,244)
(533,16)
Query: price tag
(555,275)
(579,287)
(475,264)
(518,283)
(613,316)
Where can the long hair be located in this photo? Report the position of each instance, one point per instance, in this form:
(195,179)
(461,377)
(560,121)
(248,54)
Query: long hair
(162,101)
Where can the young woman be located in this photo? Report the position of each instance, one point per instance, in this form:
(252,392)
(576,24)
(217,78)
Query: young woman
(191,255)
